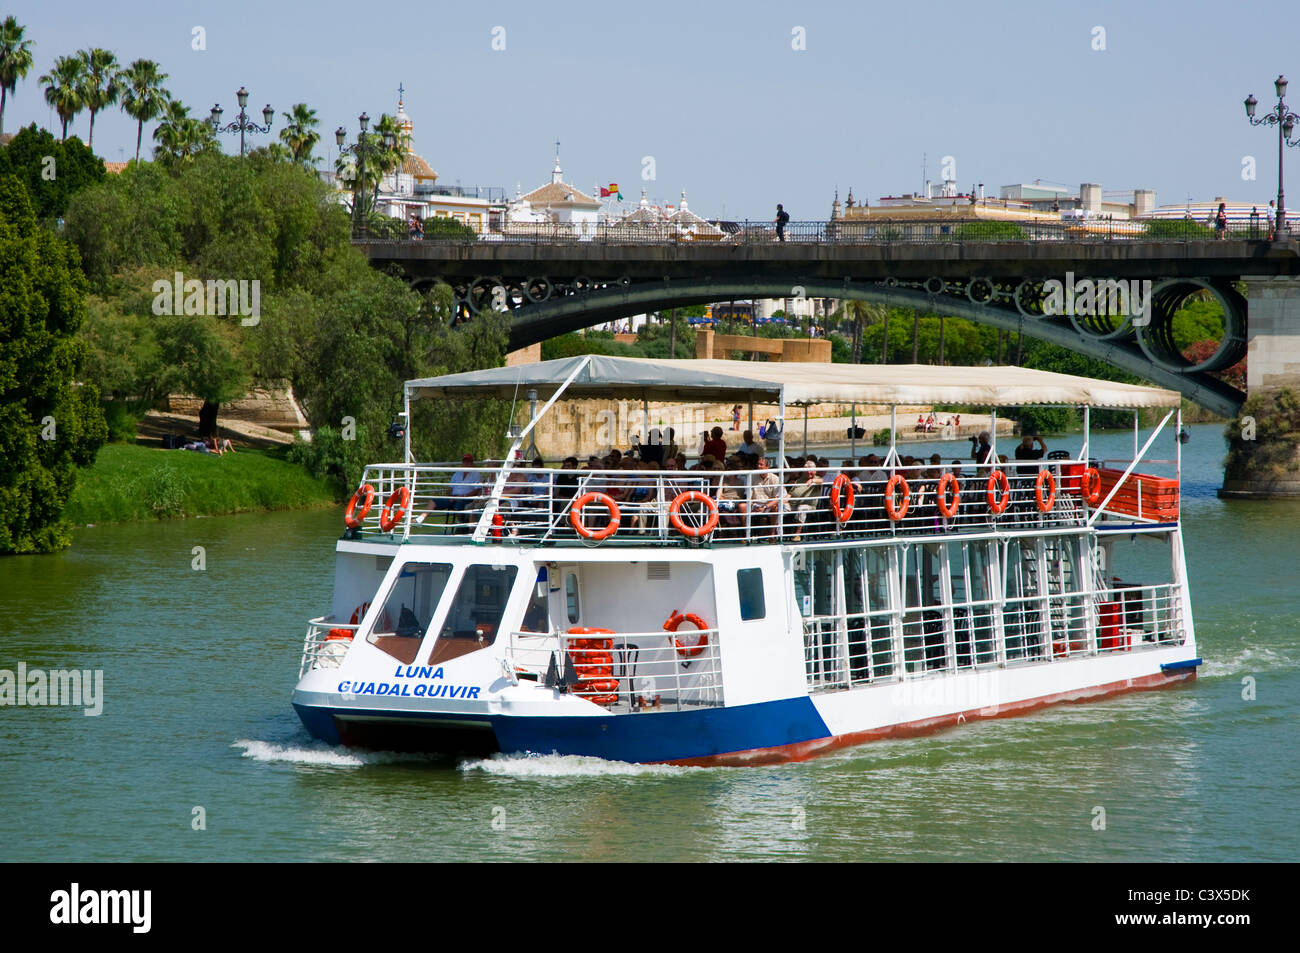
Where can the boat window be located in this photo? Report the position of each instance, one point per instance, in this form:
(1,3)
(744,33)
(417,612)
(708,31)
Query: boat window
(475,612)
(571,597)
(749,582)
(537,615)
(409,608)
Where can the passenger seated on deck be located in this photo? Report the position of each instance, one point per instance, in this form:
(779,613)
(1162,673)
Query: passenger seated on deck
(732,500)
(805,495)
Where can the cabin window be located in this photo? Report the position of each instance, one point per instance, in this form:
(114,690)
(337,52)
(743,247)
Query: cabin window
(408,609)
(572,608)
(480,601)
(749,583)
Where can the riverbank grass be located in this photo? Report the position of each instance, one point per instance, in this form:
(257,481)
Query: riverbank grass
(130,482)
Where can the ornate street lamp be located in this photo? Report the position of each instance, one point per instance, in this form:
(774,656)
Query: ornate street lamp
(1285,122)
(359,149)
(243,124)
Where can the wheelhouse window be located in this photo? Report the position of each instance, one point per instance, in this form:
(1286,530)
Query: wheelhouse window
(749,582)
(408,609)
(474,615)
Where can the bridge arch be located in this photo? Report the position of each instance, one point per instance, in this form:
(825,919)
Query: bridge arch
(1146,351)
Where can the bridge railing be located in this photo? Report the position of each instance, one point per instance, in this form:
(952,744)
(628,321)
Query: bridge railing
(881,230)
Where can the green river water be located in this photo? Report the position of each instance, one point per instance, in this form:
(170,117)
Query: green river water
(198,667)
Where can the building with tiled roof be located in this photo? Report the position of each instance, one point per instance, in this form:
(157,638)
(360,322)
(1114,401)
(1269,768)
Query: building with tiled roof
(558,204)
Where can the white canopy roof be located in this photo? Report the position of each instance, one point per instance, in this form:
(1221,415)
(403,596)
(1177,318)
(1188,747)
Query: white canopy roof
(701,381)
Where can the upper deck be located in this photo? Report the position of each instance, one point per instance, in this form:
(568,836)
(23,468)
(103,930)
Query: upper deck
(516,504)
(808,505)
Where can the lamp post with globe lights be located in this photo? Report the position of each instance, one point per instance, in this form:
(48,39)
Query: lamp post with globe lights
(243,124)
(1285,122)
(359,149)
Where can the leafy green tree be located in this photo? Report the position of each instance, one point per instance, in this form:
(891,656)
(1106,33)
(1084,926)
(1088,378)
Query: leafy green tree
(28,157)
(63,85)
(126,222)
(15,60)
(202,358)
(99,84)
(49,425)
(990,231)
(1172,229)
(143,97)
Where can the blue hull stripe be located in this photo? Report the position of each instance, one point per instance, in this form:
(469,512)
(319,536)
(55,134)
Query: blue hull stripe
(666,736)
(642,737)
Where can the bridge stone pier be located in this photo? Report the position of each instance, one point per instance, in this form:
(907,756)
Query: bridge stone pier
(554,286)
(1264,439)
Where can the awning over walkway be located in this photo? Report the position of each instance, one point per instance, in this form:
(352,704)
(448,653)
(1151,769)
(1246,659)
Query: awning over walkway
(692,381)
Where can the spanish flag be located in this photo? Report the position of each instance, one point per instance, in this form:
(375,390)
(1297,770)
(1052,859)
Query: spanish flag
(611,191)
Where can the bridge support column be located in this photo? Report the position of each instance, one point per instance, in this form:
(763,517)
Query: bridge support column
(1264,439)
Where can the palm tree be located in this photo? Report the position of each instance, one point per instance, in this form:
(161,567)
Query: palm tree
(299,134)
(916,332)
(143,96)
(179,137)
(63,89)
(100,84)
(380,160)
(15,60)
(884,347)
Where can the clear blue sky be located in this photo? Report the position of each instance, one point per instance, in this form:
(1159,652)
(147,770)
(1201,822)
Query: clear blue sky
(716,94)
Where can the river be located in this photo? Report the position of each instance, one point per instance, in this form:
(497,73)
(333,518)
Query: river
(198,756)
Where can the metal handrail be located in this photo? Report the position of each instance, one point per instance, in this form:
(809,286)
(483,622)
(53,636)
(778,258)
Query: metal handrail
(878,229)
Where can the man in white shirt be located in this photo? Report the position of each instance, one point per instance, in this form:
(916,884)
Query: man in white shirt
(465,484)
(749,447)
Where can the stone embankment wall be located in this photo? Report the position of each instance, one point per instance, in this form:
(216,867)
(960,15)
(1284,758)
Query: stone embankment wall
(273,407)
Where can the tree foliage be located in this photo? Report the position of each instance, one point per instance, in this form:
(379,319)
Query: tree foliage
(49,425)
(52,171)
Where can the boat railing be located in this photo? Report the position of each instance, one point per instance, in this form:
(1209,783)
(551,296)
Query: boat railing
(624,671)
(327,641)
(847,650)
(537,505)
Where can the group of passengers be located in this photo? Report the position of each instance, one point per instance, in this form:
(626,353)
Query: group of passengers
(751,497)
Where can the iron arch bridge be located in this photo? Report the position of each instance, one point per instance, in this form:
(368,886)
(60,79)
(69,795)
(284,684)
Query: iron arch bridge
(550,289)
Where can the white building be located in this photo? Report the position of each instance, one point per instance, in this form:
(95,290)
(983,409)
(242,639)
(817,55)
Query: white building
(564,207)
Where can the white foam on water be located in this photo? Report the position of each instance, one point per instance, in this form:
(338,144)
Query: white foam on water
(566,766)
(1249,660)
(319,753)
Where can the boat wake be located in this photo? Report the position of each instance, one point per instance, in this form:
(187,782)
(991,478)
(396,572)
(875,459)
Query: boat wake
(319,753)
(1250,659)
(566,766)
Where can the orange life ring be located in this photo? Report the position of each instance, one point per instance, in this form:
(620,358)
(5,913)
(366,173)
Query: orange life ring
(893,512)
(351,521)
(391,515)
(841,513)
(1045,504)
(675,515)
(676,619)
(1090,486)
(998,505)
(575,516)
(941,495)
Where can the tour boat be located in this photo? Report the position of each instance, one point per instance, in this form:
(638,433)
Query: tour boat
(754,615)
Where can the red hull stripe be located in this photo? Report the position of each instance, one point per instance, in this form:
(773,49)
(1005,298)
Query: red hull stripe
(804,750)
